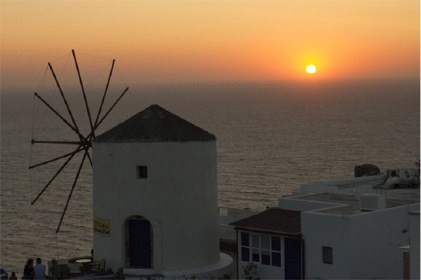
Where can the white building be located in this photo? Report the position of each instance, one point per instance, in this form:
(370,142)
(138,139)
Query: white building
(272,241)
(342,233)
(155,198)
(414,250)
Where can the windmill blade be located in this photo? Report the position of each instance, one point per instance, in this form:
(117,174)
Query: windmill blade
(54,177)
(57,158)
(91,134)
(71,191)
(109,110)
(64,99)
(89,157)
(104,95)
(33,141)
(83,91)
(83,139)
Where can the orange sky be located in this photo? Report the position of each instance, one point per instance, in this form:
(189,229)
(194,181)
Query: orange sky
(197,40)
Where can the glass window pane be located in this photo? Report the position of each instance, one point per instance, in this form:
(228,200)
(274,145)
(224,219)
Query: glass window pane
(245,254)
(265,241)
(255,241)
(276,243)
(266,257)
(276,259)
(142,172)
(327,255)
(245,240)
(256,255)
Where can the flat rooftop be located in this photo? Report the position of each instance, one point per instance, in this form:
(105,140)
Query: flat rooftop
(348,204)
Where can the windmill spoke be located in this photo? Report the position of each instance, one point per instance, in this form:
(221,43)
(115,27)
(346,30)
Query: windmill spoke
(33,141)
(109,110)
(57,158)
(89,157)
(64,99)
(105,93)
(52,179)
(61,117)
(83,91)
(71,191)
(85,142)
(67,104)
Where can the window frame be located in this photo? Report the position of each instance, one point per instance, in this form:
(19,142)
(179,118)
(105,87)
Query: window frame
(327,255)
(255,250)
(141,172)
(245,246)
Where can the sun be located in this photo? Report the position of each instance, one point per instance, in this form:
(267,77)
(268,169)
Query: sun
(311,69)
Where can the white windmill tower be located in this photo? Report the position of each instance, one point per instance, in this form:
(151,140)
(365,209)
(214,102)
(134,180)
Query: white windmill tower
(155,197)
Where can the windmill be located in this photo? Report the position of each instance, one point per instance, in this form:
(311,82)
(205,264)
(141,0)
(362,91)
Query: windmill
(83,144)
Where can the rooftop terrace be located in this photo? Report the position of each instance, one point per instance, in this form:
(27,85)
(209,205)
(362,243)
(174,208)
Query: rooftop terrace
(347,204)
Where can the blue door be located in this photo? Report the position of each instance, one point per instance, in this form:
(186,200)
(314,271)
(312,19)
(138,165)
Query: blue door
(140,243)
(293,258)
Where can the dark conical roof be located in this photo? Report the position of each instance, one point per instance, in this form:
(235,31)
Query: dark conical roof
(155,124)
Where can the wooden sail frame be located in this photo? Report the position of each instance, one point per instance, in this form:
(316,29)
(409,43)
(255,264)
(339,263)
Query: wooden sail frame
(85,142)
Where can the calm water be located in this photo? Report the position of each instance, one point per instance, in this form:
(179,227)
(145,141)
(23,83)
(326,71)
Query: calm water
(272,137)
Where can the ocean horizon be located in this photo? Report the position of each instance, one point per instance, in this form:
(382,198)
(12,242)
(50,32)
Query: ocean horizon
(271,138)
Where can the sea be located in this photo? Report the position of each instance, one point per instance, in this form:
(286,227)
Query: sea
(271,138)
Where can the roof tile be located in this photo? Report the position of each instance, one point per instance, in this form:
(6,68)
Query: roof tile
(274,220)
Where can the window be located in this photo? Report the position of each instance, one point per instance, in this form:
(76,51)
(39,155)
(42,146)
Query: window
(142,172)
(255,243)
(276,251)
(265,246)
(261,248)
(245,246)
(327,255)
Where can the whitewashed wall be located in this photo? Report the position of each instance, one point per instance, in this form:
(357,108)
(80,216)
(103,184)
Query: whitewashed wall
(179,198)
(320,230)
(414,228)
(365,245)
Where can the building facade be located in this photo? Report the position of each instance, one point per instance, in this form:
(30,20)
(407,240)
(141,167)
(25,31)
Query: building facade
(155,197)
(270,245)
(337,235)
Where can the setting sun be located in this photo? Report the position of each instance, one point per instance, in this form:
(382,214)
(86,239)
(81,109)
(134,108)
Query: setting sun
(192,41)
(311,69)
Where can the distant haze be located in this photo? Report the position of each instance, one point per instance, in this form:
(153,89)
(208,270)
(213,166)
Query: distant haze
(179,41)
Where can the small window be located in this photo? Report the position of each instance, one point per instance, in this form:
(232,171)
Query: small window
(255,241)
(142,172)
(276,243)
(276,250)
(266,257)
(245,246)
(265,242)
(245,239)
(245,254)
(327,255)
(276,259)
(255,254)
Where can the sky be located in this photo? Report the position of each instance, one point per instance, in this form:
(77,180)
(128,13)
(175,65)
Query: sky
(197,40)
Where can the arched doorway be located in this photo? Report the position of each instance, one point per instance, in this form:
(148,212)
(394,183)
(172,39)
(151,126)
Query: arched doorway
(138,242)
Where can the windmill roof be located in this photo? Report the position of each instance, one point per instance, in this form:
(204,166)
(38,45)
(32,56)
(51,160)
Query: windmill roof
(274,220)
(155,124)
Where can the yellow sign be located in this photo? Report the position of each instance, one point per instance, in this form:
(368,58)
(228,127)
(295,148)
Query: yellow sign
(102,226)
